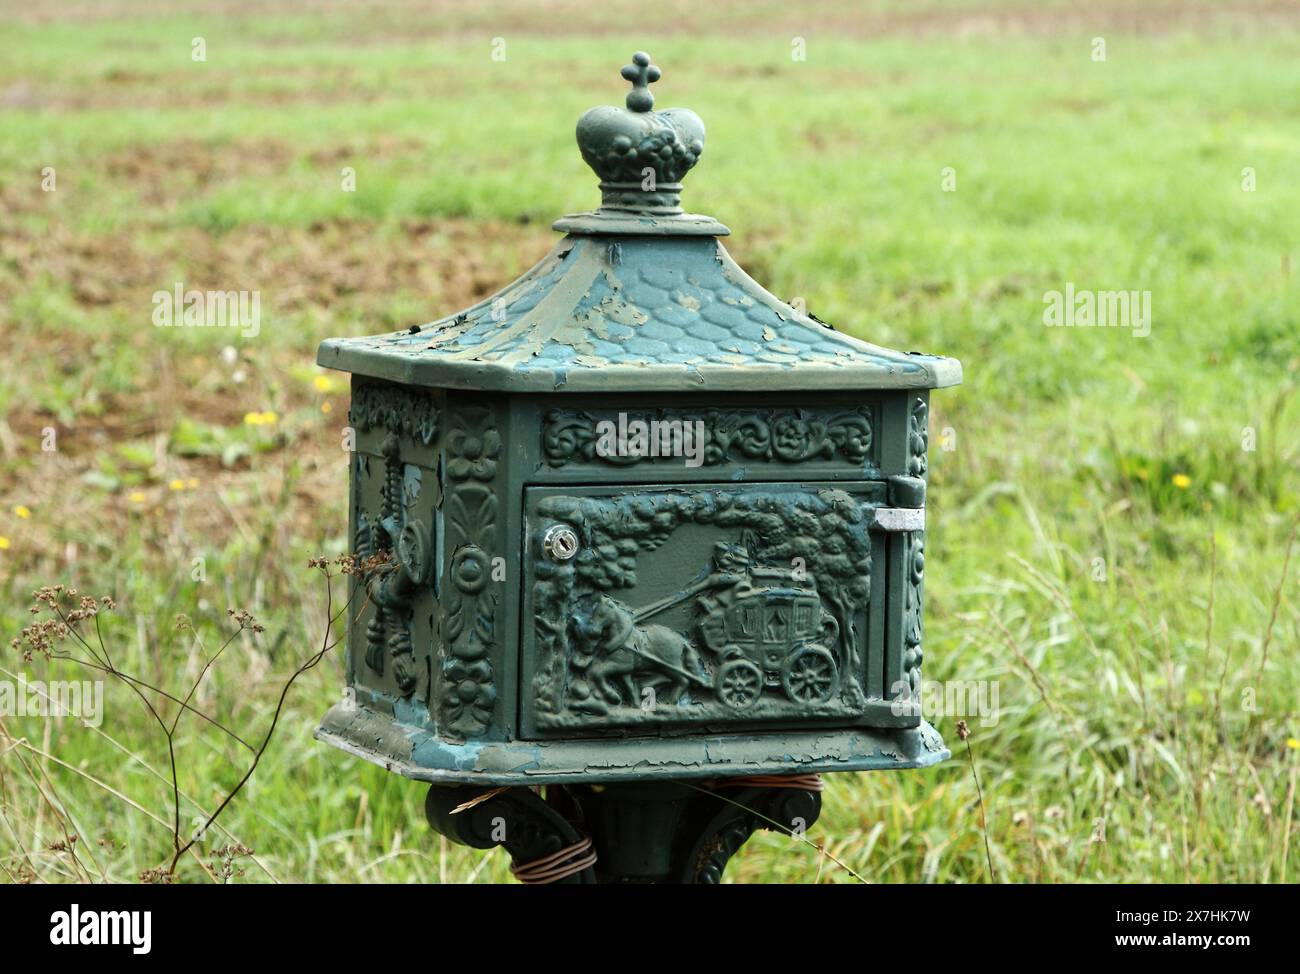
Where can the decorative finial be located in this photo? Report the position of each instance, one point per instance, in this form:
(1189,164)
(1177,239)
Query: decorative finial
(641,73)
(641,155)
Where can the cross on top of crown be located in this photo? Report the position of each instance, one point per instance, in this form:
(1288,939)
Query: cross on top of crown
(641,73)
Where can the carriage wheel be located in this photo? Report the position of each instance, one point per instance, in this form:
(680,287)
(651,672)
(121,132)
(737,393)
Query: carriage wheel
(810,675)
(739,684)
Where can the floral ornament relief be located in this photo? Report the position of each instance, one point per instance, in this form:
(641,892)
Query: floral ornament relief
(785,436)
(397,548)
(918,439)
(915,568)
(473,451)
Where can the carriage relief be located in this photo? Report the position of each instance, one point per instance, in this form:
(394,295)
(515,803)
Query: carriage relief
(759,629)
(769,630)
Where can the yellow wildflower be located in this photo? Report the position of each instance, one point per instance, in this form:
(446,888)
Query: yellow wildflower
(1293,743)
(326,407)
(266,418)
(1182,481)
(136,497)
(4,543)
(323,383)
(23,511)
(176,484)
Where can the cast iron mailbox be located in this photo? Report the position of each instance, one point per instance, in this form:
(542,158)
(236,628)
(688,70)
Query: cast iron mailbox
(646,535)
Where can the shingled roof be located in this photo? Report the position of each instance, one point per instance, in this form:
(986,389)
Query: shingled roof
(634,313)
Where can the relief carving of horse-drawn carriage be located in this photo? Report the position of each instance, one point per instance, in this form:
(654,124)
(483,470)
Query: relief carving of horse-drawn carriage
(760,627)
(769,629)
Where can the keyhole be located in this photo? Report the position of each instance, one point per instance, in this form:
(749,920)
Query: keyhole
(560,543)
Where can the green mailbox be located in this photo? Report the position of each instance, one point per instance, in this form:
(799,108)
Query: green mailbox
(647,542)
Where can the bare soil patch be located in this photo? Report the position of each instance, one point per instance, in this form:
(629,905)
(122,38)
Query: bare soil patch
(333,278)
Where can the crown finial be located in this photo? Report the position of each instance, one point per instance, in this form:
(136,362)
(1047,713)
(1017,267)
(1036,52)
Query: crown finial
(639,154)
(641,73)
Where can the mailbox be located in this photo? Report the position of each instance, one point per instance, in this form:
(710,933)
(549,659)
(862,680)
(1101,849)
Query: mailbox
(639,531)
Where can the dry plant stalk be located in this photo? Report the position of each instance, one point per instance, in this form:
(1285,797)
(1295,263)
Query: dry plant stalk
(963,731)
(71,631)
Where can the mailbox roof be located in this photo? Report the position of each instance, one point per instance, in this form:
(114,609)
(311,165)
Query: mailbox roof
(610,312)
(639,296)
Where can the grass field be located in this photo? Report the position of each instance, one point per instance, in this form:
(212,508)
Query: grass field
(1109,516)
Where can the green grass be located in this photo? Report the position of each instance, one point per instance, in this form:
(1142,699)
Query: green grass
(1124,698)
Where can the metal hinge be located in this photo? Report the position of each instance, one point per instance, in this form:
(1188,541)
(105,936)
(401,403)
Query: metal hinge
(898,518)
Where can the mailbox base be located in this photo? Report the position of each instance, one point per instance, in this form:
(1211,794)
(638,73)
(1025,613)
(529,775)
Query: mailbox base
(661,832)
(419,753)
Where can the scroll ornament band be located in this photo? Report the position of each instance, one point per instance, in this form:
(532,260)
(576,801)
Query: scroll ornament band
(780,435)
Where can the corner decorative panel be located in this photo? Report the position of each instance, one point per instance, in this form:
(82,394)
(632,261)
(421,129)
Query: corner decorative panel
(472,511)
(393,535)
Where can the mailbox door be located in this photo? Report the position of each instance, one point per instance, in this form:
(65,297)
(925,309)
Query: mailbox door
(652,609)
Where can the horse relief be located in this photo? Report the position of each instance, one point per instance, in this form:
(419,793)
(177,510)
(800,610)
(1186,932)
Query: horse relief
(623,660)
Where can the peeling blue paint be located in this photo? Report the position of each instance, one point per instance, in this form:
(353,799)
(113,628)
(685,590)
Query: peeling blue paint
(667,306)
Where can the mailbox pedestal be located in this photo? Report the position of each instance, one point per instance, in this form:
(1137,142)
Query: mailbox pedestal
(641,832)
(647,542)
